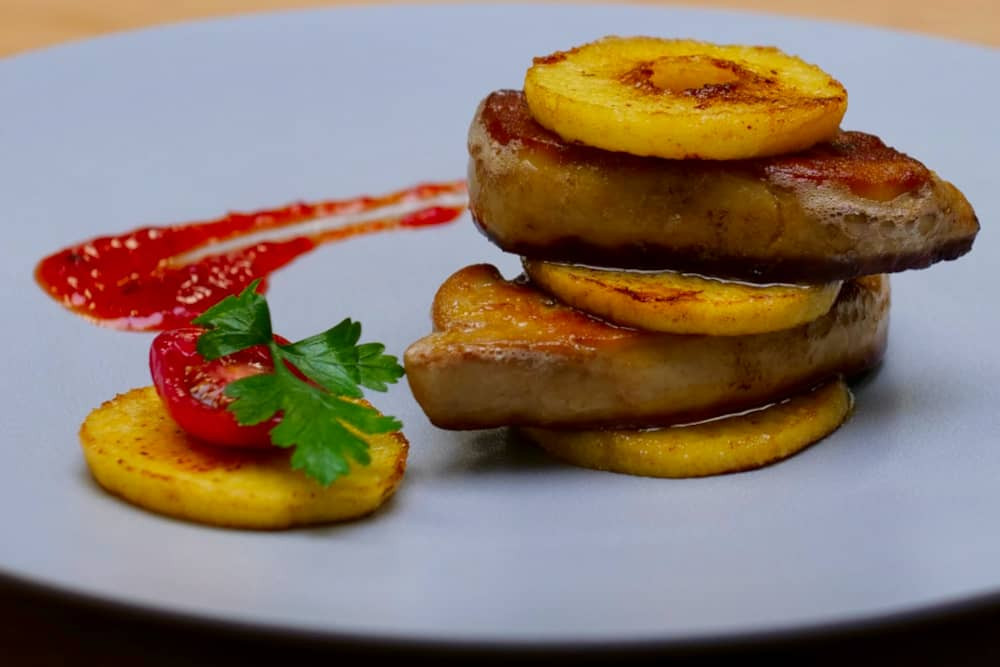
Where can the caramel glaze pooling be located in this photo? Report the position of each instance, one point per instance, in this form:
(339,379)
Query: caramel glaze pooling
(848,207)
(746,86)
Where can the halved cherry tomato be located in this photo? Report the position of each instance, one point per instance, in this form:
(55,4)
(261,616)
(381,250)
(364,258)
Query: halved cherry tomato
(192,387)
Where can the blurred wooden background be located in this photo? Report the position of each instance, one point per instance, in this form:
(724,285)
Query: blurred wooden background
(28,24)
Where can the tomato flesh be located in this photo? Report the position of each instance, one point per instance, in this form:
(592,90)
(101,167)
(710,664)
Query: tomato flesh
(192,388)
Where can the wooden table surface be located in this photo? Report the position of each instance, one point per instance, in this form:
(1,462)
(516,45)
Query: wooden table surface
(27,24)
(41,630)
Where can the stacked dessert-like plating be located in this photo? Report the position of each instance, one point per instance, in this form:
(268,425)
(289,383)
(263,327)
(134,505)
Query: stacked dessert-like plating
(704,255)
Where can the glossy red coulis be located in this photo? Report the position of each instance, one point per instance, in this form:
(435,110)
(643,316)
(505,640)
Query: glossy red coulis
(141,280)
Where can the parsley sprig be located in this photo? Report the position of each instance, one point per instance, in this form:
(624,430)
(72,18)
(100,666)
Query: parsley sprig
(318,417)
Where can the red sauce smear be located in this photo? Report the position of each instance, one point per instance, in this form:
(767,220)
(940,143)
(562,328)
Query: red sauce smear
(140,280)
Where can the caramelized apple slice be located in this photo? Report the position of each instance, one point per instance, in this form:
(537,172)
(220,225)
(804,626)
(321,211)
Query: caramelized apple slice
(678,303)
(136,451)
(676,98)
(729,444)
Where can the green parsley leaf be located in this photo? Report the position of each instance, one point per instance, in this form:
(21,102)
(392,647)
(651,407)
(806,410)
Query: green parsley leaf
(235,323)
(330,358)
(335,360)
(322,416)
(375,369)
(259,397)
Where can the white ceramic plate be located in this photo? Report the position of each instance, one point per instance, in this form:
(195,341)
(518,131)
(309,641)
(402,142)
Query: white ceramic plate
(487,541)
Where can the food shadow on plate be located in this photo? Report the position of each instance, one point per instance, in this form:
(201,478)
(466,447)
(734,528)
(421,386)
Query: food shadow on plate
(874,399)
(494,451)
(860,382)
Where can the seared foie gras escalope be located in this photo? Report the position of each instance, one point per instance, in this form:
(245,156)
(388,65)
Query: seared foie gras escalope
(504,353)
(848,207)
(617,360)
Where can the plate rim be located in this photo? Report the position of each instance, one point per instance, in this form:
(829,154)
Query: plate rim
(982,602)
(869,624)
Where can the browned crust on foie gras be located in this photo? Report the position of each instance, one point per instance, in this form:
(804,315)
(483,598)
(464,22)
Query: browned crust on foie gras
(845,208)
(504,353)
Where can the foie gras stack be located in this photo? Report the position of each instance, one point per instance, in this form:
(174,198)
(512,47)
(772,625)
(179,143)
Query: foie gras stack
(705,256)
